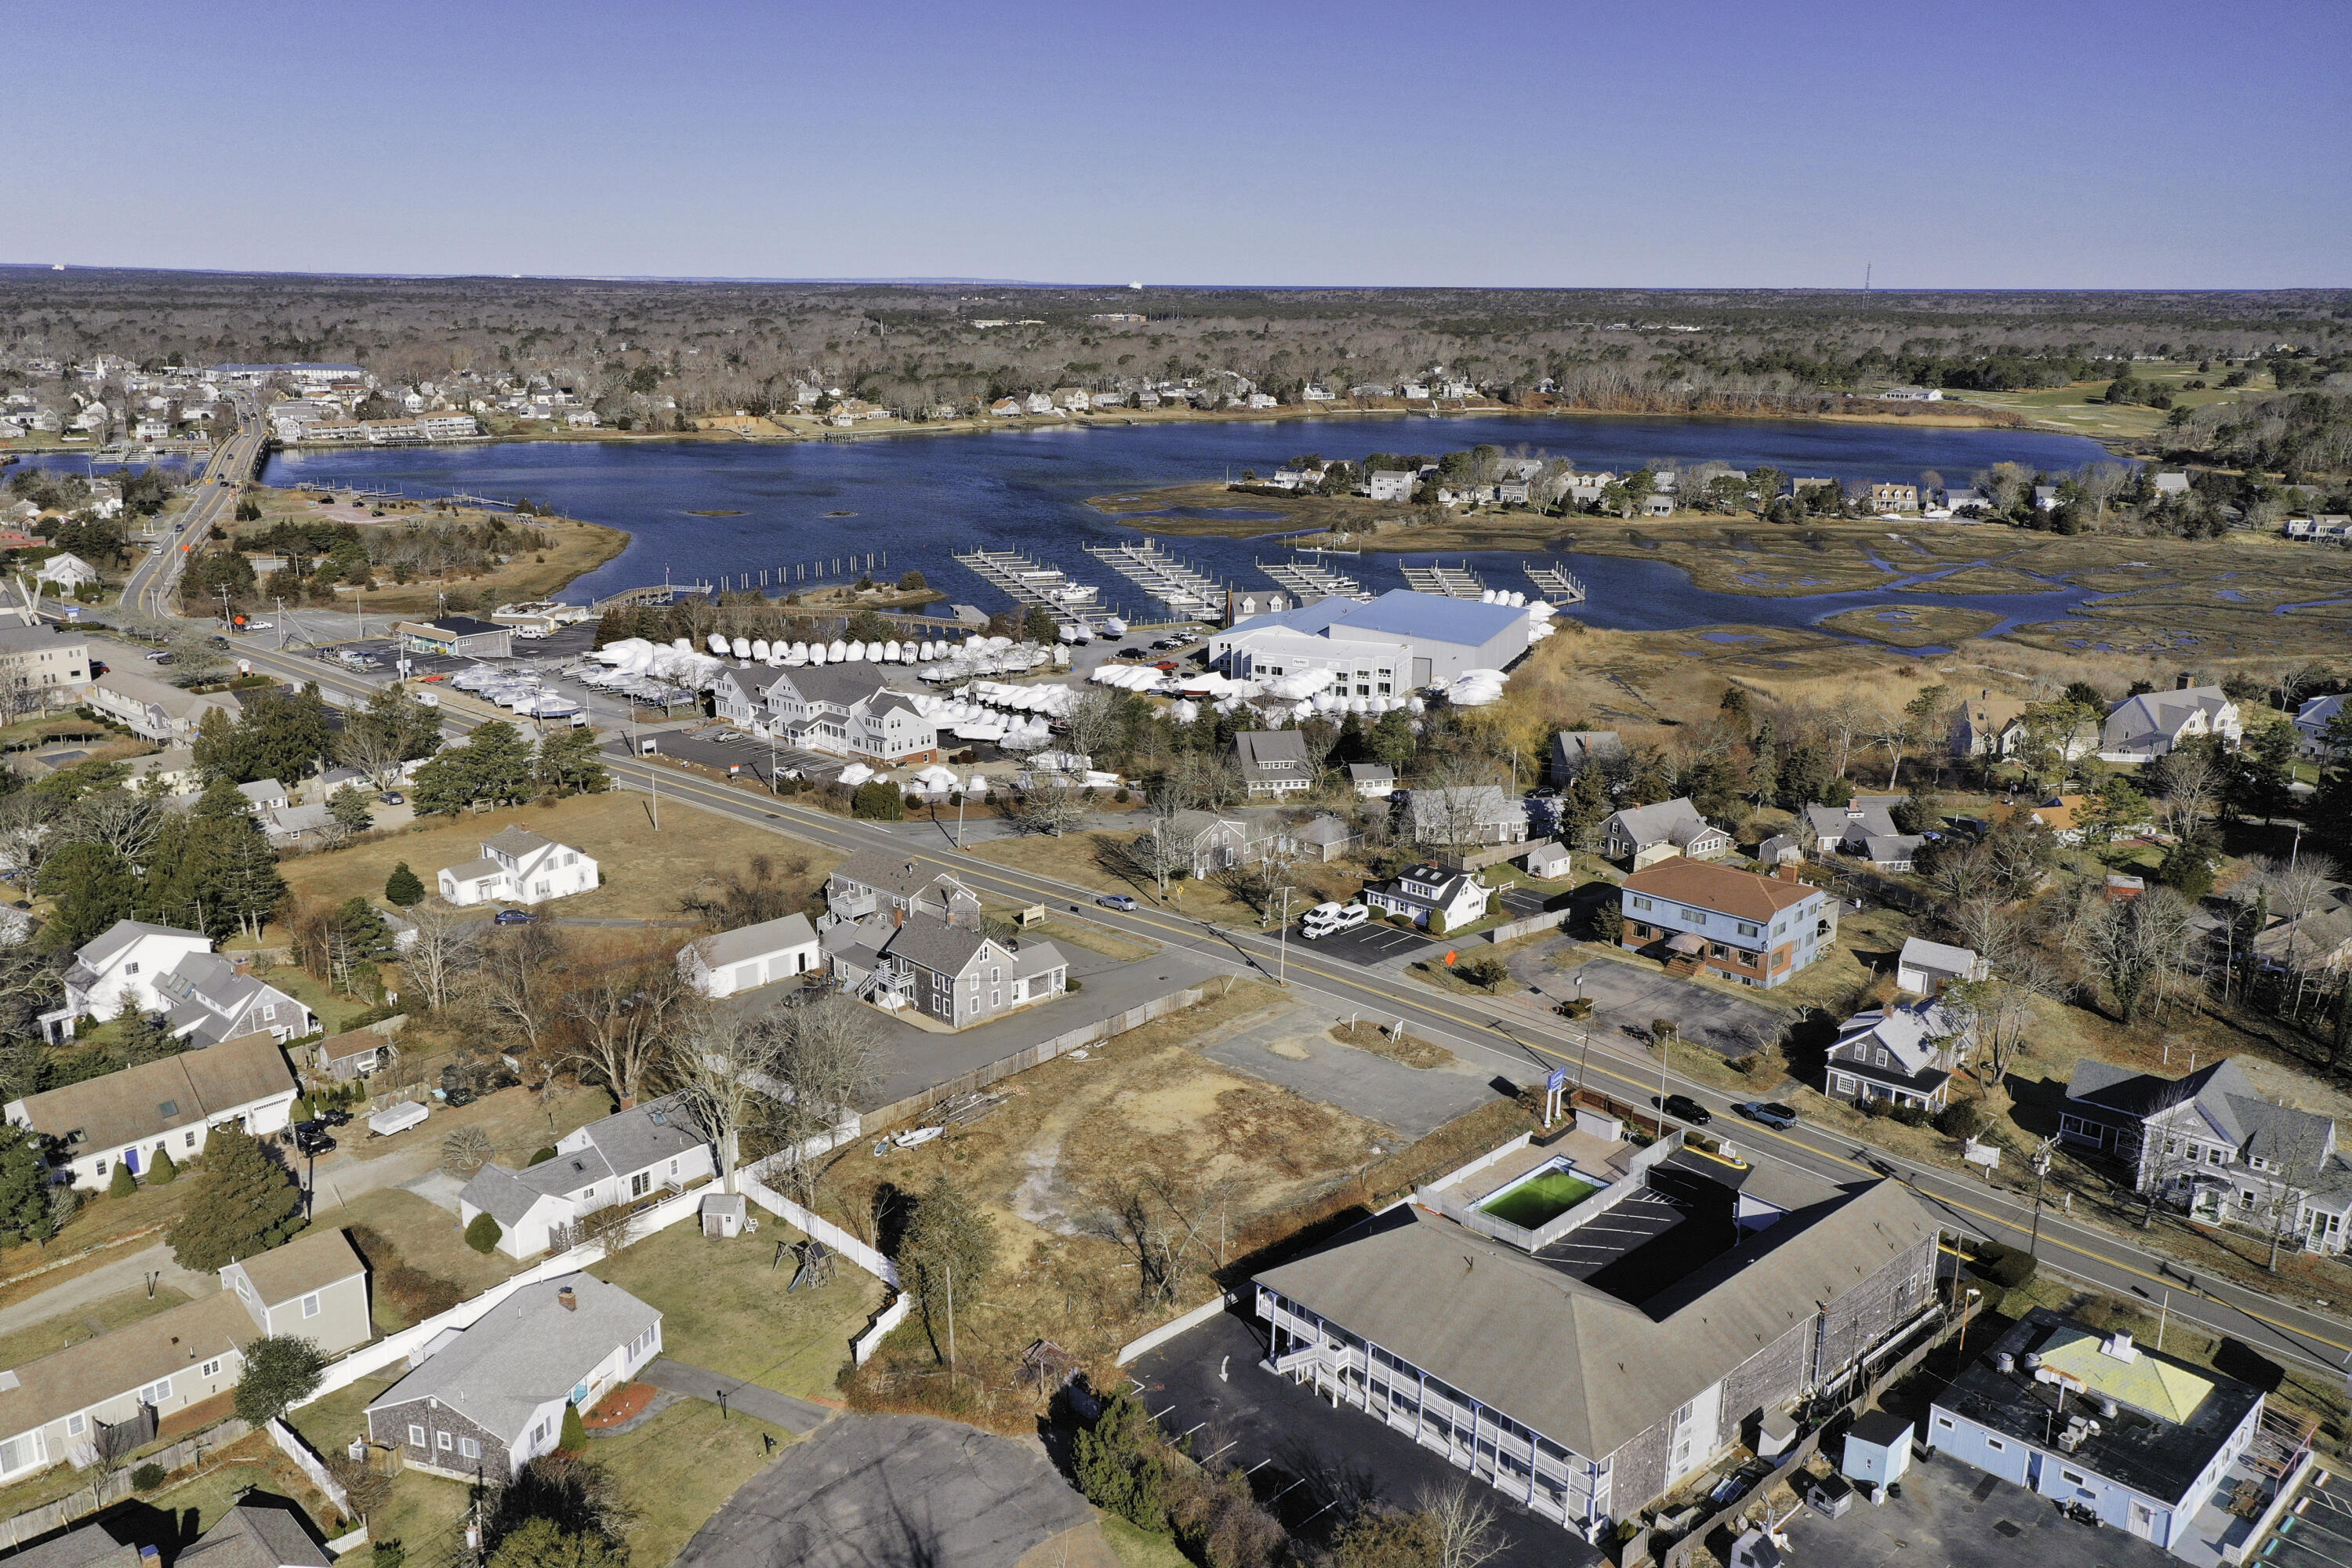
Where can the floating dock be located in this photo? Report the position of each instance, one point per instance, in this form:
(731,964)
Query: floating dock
(1032,583)
(1162,576)
(1309,581)
(1452,582)
(1557,586)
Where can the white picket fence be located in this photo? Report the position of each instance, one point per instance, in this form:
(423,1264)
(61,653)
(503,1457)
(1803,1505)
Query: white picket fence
(290,1444)
(819,1228)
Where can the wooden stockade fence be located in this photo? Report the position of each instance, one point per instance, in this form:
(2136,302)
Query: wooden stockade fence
(115,1485)
(1550,919)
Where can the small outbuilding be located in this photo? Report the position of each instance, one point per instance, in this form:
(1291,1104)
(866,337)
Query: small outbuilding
(1548,860)
(727,1215)
(1878,1448)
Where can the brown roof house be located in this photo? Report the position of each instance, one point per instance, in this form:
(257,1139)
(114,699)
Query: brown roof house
(133,1115)
(481,1402)
(107,1396)
(1733,924)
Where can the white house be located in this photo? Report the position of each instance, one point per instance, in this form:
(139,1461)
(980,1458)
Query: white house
(749,956)
(168,1105)
(152,709)
(2310,721)
(520,867)
(1371,781)
(1420,891)
(849,711)
(133,967)
(627,1157)
(480,1403)
(66,569)
(2151,724)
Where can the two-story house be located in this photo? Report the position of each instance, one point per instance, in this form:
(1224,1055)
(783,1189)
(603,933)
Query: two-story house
(878,883)
(136,967)
(170,1105)
(954,975)
(1643,833)
(43,667)
(2153,723)
(2211,1143)
(1274,762)
(1903,1055)
(625,1158)
(849,711)
(105,1396)
(1987,726)
(480,1404)
(152,709)
(520,867)
(1423,892)
(1733,924)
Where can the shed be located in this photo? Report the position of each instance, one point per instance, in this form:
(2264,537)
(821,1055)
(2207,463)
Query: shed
(1548,860)
(1827,1495)
(1878,1448)
(726,1215)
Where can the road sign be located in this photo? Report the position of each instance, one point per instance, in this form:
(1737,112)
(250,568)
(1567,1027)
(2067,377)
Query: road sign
(1557,1081)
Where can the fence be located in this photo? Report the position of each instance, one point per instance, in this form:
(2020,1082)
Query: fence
(1550,919)
(1693,1537)
(113,1486)
(862,1348)
(309,1464)
(1166,1332)
(1021,1061)
(815,1226)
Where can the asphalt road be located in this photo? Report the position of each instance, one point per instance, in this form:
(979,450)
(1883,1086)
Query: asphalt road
(149,584)
(1522,1042)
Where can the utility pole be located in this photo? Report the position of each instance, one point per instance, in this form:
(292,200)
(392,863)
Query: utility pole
(952,1353)
(2041,1175)
(1282,943)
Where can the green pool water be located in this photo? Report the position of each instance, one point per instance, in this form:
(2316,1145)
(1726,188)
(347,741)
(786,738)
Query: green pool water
(1533,1202)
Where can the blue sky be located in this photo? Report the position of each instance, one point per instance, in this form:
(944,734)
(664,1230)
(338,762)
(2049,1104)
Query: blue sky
(2067,143)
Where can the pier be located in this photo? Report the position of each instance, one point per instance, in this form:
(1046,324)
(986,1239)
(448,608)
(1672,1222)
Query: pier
(652,594)
(1452,582)
(1309,581)
(1162,576)
(1031,583)
(1557,586)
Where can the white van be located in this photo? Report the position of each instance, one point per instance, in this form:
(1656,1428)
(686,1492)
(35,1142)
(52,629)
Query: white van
(1326,920)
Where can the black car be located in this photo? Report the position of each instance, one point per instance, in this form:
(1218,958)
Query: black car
(1683,1108)
(1130,653)
(311,1139)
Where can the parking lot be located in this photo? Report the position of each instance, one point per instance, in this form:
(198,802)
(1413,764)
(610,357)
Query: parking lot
(1952,1516)
(1315,1466)
(1374,943)
(728,751)
(2317,1532)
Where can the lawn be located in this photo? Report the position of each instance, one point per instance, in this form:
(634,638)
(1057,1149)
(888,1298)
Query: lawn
(724,1307)
(677,1469)
(253,1461)
(102,1230)
(645,871)
(426,1512)
(427,1236)
(85,1321)
(1540,1199)
(1091,860)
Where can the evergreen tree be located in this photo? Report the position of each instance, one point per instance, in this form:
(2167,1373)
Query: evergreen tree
(359,927)
(123,1184)
(392,726)
(25,1211)
(574,1435)
(146,1037)
(950,1245)
(542,1542)
(278,1371)
(93,889)
(1584,808)
(244,1203)
(569,759)
(1392,739)
(401,889)
(220,749)
(164,1171)
(348,808)
(494,766)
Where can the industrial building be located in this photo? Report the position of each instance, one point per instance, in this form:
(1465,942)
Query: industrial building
(1398,643)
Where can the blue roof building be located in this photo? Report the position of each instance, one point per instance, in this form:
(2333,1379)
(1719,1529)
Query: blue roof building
(1445,637)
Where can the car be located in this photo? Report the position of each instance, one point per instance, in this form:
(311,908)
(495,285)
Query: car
(1162,646)
(257,626)
(513,918)
(1129,653)
(393,797)
(1770,1112)
(332,1116)
(1116,902)
(1683,1108)
(1328,919)
(161,656)
(311,1139)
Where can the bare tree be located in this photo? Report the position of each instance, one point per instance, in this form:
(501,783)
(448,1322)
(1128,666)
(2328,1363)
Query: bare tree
(615,1006)
(444,947)
(119,820)
(2133,943)
(2000,1009)
(1462,1519)
(515,980)
(29,834)
(828,1059)
(2189,786)
(1091,727)
(1052,806)
(1162,851)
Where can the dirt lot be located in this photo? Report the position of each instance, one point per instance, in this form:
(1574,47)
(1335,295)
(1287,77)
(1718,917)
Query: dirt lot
(1142,1119)
(645,871)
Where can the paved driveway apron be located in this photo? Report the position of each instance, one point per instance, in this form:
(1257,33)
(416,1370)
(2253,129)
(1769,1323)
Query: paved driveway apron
(1629,994)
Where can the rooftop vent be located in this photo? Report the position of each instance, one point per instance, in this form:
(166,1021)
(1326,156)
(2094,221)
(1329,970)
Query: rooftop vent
(2006,1361)
(566,1300)
(2118,1346)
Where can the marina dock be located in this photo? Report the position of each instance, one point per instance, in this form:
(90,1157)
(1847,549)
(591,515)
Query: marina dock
(1181,587)
(1309,581)
(1032,583)
(1452,582)
(1557,586)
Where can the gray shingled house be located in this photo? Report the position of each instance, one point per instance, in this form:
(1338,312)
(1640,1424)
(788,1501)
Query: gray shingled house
(629,1156)
(954,974)
(480,1403)
(1274,762)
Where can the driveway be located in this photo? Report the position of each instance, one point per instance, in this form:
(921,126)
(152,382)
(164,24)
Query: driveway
(128,1272)
(1630,993)
(1296,1050)
(798,1416)
(907,1491)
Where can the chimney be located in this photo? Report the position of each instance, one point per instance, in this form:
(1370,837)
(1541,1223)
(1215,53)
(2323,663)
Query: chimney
(567,1301)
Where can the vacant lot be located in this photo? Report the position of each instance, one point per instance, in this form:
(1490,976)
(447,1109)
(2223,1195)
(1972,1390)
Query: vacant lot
(725,1306)
(645,871)
(426,1235)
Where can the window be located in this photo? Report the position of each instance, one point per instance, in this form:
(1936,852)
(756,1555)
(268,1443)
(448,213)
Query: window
(210,1369)
(77,1424)
(1746,928)
(1640,903)
(469,1448)
(310,1305)
(641,1184)
(1996,1445)
(188,1140)
(2069,1478)
(17,1453)
(156,1393)
(443,1441)
(132,968)
(1943,1423)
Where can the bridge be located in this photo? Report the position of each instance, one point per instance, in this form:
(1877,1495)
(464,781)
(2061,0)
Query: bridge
(652,594)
